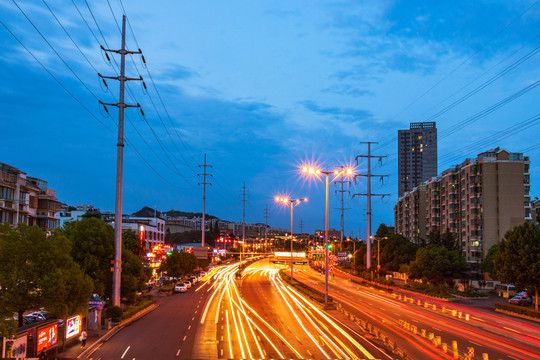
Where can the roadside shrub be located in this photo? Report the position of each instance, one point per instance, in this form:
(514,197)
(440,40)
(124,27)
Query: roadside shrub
(114,312)
(166,288)
(133,309)
(528,311)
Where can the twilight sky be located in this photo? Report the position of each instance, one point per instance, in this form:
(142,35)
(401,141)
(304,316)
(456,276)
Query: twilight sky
(261,87)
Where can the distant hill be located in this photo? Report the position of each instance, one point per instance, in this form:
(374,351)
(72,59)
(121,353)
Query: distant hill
(149,212)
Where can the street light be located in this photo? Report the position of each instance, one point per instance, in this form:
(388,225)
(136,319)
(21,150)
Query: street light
(291,203)
(337,173)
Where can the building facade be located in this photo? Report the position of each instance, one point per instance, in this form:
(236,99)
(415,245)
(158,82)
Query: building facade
(25,199)
(477,201)
(417,155)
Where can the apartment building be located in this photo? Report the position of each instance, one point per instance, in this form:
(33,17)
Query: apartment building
(25,199)
(477,201)
(417,155)
(410,214)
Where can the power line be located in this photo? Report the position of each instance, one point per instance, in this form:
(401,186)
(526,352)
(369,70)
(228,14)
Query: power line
(85,108)
(465,61)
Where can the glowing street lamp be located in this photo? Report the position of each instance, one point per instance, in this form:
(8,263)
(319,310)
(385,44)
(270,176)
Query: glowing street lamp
(291,203)
(311,171)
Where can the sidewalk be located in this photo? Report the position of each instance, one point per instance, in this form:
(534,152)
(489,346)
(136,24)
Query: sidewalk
(74,349)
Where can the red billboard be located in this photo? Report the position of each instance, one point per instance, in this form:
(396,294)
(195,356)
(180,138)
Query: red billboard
(47,337)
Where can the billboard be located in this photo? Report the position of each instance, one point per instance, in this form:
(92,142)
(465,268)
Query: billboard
(47,337)
(73,326)
(18,348)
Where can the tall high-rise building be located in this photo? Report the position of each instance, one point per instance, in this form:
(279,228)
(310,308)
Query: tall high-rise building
(417,155)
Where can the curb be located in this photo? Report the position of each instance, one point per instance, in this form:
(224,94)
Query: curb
(114,330)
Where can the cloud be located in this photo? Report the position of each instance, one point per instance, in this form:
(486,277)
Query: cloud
(344,113)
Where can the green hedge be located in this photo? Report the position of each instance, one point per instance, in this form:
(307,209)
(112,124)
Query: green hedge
(166,288)
(365,283)
(522,310)
(429,289)
(133,309)
(308,291)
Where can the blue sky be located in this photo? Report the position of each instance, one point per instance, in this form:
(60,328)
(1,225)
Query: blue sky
(261,87)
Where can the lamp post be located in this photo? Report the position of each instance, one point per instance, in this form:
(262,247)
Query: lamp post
(291,203)
(316,172)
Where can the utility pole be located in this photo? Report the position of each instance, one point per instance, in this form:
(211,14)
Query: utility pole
(117,263)
(244,194)
(369,195)
(204,183)
(266,213)
(342,181)
(301,226)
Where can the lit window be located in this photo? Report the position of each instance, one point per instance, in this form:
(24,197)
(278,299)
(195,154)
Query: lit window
(420,137)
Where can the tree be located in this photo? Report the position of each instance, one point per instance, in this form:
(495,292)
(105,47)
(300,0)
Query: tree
(488,265)
(395,251)
(437,262)
(37,271)
(93,250)
(134,275)
(518,259)
(382,231)
(179,264)
(131,242)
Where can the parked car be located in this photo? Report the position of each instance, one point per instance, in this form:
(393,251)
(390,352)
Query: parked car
(187,284)
(193,279)
(180,288)
(520,300)
(38,315)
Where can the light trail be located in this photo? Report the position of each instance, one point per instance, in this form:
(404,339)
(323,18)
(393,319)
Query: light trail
(457,329)
(299,321)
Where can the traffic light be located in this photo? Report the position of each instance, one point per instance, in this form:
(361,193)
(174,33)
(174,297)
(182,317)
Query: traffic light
(329,246)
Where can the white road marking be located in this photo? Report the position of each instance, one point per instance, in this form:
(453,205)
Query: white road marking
(178,352)
(299,339)
(184,339)
(124,354)
(309,352)
(221,352)
(192,318)
(477,344)
(222,338)
(189,327)
(221,327)
(437,329)
(513,357)
(414,320)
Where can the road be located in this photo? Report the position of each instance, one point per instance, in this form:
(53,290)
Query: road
(168,332)
(404,318)
(260,316)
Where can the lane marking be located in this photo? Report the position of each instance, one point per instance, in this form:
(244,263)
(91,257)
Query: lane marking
(414,320)
(221,352)
(309,352)
(184,339)
(437,329)
(124,354)
(189,327)
(178,352)
(222,338)
(477,344)
(192,318)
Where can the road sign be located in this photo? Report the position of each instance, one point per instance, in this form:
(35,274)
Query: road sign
(343,256)
(317,256)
